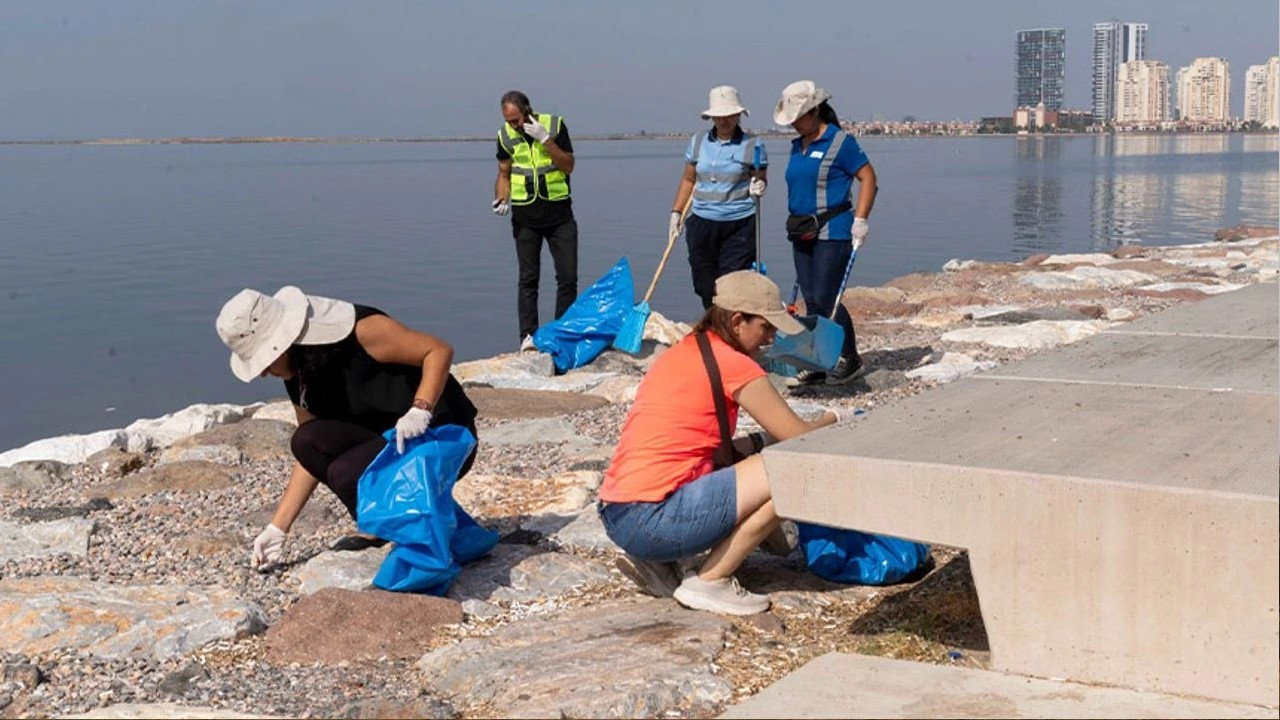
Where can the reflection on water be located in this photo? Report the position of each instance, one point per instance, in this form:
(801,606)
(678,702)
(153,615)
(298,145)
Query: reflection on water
(1141,188)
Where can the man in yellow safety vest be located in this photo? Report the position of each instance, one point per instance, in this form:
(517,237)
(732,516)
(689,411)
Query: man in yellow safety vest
(535,158)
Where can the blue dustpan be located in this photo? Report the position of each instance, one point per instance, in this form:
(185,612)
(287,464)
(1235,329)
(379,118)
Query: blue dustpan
(818,348)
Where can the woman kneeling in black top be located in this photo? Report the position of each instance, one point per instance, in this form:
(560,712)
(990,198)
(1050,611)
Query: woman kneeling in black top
(352,373)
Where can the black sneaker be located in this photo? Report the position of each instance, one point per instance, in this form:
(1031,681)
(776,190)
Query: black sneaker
(846,370)
(356,543)
(807,377)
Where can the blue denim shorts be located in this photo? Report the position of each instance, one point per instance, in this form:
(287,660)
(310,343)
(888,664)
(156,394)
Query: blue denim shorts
(696,517)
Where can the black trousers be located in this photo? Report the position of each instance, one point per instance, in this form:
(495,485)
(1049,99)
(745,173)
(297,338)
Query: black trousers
(562,239)
(718,247)
(336,453)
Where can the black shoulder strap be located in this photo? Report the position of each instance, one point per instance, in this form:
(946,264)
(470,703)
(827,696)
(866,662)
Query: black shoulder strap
(725,455)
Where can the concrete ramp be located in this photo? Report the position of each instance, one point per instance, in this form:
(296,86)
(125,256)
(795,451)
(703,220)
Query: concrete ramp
(857,686)
(1119,498)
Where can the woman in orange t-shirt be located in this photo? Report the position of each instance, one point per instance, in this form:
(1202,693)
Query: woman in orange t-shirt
(663,498)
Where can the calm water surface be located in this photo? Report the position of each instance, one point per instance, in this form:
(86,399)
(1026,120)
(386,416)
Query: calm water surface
(114,260)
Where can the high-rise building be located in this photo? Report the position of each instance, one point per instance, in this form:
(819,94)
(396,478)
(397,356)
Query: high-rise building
(1142,93)
(1114,43)
(1204,90)
(1261,99)
(1041,61)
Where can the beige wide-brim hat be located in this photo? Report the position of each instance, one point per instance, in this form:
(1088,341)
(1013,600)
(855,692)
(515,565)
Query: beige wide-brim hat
(750,292)
(797,99)
(724,101)
(259,328)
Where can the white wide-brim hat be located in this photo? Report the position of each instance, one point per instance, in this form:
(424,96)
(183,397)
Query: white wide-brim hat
(724,101)
(259,328)
(797,99)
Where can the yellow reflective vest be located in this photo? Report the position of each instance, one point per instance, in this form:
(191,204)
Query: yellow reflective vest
(533,173)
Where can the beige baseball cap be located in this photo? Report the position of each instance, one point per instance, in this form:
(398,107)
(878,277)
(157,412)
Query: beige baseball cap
(797,99)
(724,101)
(259,328)
(750,292)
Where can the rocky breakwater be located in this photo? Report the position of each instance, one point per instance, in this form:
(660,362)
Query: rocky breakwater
(125,590)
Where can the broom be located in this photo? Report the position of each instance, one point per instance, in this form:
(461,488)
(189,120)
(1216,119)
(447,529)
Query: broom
(630,336)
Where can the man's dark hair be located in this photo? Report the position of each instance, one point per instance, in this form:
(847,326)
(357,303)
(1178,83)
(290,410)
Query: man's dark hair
(519,99)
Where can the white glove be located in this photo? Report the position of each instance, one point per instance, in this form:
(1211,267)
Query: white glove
(534,129)
(842,415)
(860,230)
(676,225)
(267,547)
(413,424)
(501,206)
(757,187)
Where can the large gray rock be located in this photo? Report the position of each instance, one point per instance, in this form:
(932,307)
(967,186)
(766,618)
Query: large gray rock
(951,366)
(340,569)
(582,531)
(335,625)
(541,430)
(221,454)
(30,475)
(1032,336)
(623,659)
(115,462)
(1085,277)
(41,614)
(520,573)
(27,542)
(255,439)
(186,476)
(513,404)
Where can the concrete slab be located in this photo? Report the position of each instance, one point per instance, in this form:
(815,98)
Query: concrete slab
(856,686)
(1251,312)
(1121,531)
(1177,361)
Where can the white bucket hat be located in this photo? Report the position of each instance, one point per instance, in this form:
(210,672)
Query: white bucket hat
(724,101)
(798,98)
(260,328)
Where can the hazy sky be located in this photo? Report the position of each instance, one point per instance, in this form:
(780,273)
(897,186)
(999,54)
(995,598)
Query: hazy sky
(148,68)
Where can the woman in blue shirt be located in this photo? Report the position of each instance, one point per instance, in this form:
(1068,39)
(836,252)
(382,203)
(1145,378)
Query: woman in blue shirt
(725,173)
(827,221)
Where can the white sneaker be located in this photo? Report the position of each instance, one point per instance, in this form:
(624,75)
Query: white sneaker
(526,345)
(719,596)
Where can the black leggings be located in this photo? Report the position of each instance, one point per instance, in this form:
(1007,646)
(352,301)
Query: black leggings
(336,453)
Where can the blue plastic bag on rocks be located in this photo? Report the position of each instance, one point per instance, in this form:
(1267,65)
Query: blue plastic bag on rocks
(851,556)
(591,322)
(408,499)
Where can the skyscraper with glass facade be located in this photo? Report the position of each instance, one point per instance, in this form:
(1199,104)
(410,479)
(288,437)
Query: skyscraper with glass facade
(1041,60)
(1114,43)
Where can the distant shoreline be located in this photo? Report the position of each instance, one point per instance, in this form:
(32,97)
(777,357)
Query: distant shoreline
(250,140)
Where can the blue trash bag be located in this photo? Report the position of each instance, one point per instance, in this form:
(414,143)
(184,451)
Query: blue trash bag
(851,556)
(408,499)
(591,322)
(816,348)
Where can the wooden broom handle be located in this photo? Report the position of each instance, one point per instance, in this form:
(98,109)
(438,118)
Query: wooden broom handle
(671,242)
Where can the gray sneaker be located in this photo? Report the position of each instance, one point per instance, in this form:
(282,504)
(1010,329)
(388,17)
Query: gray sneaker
(719,596)
(659,579)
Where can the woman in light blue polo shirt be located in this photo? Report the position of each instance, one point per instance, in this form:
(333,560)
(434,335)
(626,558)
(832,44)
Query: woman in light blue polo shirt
(725,172)
(827,221)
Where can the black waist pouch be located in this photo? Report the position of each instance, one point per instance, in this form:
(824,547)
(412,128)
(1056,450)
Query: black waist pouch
(805,228)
